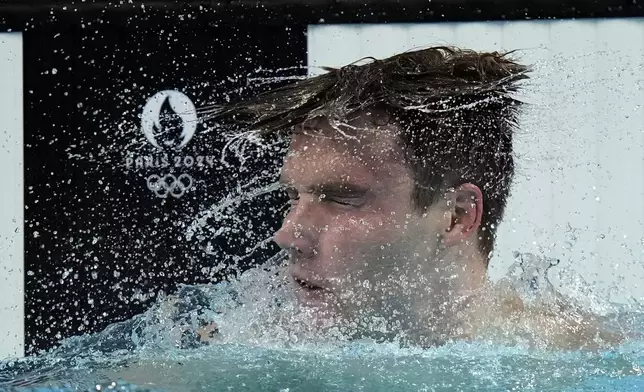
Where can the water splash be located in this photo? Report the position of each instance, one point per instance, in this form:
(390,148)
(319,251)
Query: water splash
(529,275)
(263,341)
(256,345)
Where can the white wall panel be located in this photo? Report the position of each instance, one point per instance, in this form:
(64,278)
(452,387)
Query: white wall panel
(579,189)
(11,197)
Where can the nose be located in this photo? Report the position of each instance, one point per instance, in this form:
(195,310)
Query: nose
(297,233)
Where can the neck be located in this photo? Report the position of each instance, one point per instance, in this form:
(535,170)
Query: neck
(462,279)
(474,271)
(464,269)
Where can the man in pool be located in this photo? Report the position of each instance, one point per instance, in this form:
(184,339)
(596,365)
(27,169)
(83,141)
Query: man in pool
(398,174)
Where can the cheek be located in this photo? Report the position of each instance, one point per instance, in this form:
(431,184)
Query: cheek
(354,240)
(364,229)
(343,237)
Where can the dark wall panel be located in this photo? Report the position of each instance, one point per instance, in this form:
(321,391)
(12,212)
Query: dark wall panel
(103,235)
(16,13)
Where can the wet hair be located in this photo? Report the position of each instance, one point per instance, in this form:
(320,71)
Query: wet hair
(454,110)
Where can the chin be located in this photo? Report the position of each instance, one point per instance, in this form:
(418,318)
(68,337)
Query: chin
(320,309)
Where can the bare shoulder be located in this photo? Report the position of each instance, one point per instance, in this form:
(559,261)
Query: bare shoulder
(568,330)
(555,322)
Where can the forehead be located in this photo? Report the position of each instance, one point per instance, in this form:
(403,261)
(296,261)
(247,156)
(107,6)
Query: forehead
(352,153)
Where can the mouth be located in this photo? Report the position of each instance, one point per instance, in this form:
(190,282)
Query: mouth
(307,285)
(313,294)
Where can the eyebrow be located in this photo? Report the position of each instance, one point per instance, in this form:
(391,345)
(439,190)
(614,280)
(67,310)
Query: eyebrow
(338,189)
(333,188)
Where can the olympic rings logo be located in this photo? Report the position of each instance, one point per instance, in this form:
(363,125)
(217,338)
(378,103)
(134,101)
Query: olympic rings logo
(168,184)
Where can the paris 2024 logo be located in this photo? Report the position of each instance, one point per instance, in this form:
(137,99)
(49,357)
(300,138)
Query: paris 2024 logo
(169,122)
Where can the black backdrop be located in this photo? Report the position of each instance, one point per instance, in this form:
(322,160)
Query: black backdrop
(99,244)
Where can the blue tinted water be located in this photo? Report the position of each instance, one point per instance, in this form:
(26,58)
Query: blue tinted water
(157,351)
(455,367)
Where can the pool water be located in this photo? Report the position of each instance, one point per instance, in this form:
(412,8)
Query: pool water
(158,351)
(356,367)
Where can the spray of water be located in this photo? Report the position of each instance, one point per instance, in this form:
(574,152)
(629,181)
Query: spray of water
(257,308)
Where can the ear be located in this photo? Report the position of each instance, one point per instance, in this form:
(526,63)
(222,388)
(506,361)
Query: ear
(466,209)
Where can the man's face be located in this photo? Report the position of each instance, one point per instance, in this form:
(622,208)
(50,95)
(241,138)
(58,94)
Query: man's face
(358,249)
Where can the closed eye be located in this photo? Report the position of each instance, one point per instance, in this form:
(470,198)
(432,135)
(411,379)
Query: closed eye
(341,202)
(349,202)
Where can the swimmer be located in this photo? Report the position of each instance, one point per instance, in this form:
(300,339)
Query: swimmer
(398,175)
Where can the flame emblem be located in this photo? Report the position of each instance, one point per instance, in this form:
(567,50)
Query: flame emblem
(164,115)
